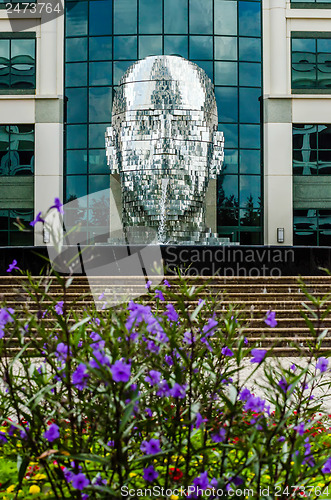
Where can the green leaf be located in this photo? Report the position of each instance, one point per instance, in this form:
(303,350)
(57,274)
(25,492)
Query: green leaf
(80,323)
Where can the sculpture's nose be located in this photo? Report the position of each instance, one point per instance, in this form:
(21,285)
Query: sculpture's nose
(164,143)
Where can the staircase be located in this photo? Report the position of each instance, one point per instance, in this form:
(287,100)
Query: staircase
(253,295)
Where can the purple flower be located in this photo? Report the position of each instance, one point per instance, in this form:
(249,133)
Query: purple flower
(148,284)
(164,389)
(120,371)
(149,412)
(254,404)
(171,313)
(62,351)
(244,394)
(322,364)
(168,359)
(58,205)
(101,359)
(166,283)
(199,420)
(3,438)
(258,355)
(219,436)
(189,338)
(80,377)
(151,447)
(138,314)
(52,433)
(12,266)
(300,428)
(201,481)
(326,469)
(293,367)
(210,327)
(98,481)
(37,219)
(271,319)
(5,317)
(284,385)
(178,391)
(281,439)
(150,474)
(226,351)
(59,307)
(79,481)
(159,295)
(153,377)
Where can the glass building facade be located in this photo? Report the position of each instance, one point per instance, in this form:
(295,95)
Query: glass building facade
(104,37)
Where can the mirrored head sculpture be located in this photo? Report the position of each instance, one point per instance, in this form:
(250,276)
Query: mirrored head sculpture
(165,146)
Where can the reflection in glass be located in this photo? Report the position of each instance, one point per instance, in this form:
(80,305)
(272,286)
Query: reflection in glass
(176,45)
(230,165)
(77,105)
(225,19)
(98,183)
(249,216)
(231,134)
(76,74)
(76,19)
(150,46)
(250,74)
(227,191)
(16,150)
(249,105)
(76,187)
(249,19)
(227,103)
(208,66)
(76,162)
(249,49)
(100,19)
(97,134)
(100,73)
(250,191)
(76,49)
(226,48)
(324,136)
(98,162)
(250,161)
(125,16)
(304,63)
(201,47)
(250,136)
(175,17)
(76,136)
(201,16)
(100,48)
(150,16)
(100,104)
(120,68)
(125,47)
(226,73)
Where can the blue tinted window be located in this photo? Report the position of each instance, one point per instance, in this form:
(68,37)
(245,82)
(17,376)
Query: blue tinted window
(304,69)
(250,136)
(249,105)
(125,16)
(76,136)
(250,190)
(120,68)
(230,165)
(250,161)
(76,49)
(230,132)
(125,47)
(101,17)
(249,49)
(226,48)
(228,190)
(76,20)
(227,103)
(100,48)
(201,47)
(77,105)
(201,16)
(207,66)
(100,104)
(175,16)
(100,73)
(77,162)
(150,16)
(97,134)
(76,186)
(98,162)
(250,74)
(98,183)
(225,17)
(18,65)
(176,45)
(249,18)
(150,46)
(226,73)
(76,74)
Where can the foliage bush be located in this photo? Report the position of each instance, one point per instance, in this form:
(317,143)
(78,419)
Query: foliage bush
(127,401)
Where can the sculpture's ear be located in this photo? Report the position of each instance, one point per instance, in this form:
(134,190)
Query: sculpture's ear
(217,155)
(112,150)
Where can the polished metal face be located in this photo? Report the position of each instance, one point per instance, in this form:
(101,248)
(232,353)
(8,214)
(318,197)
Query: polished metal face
(165,145)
